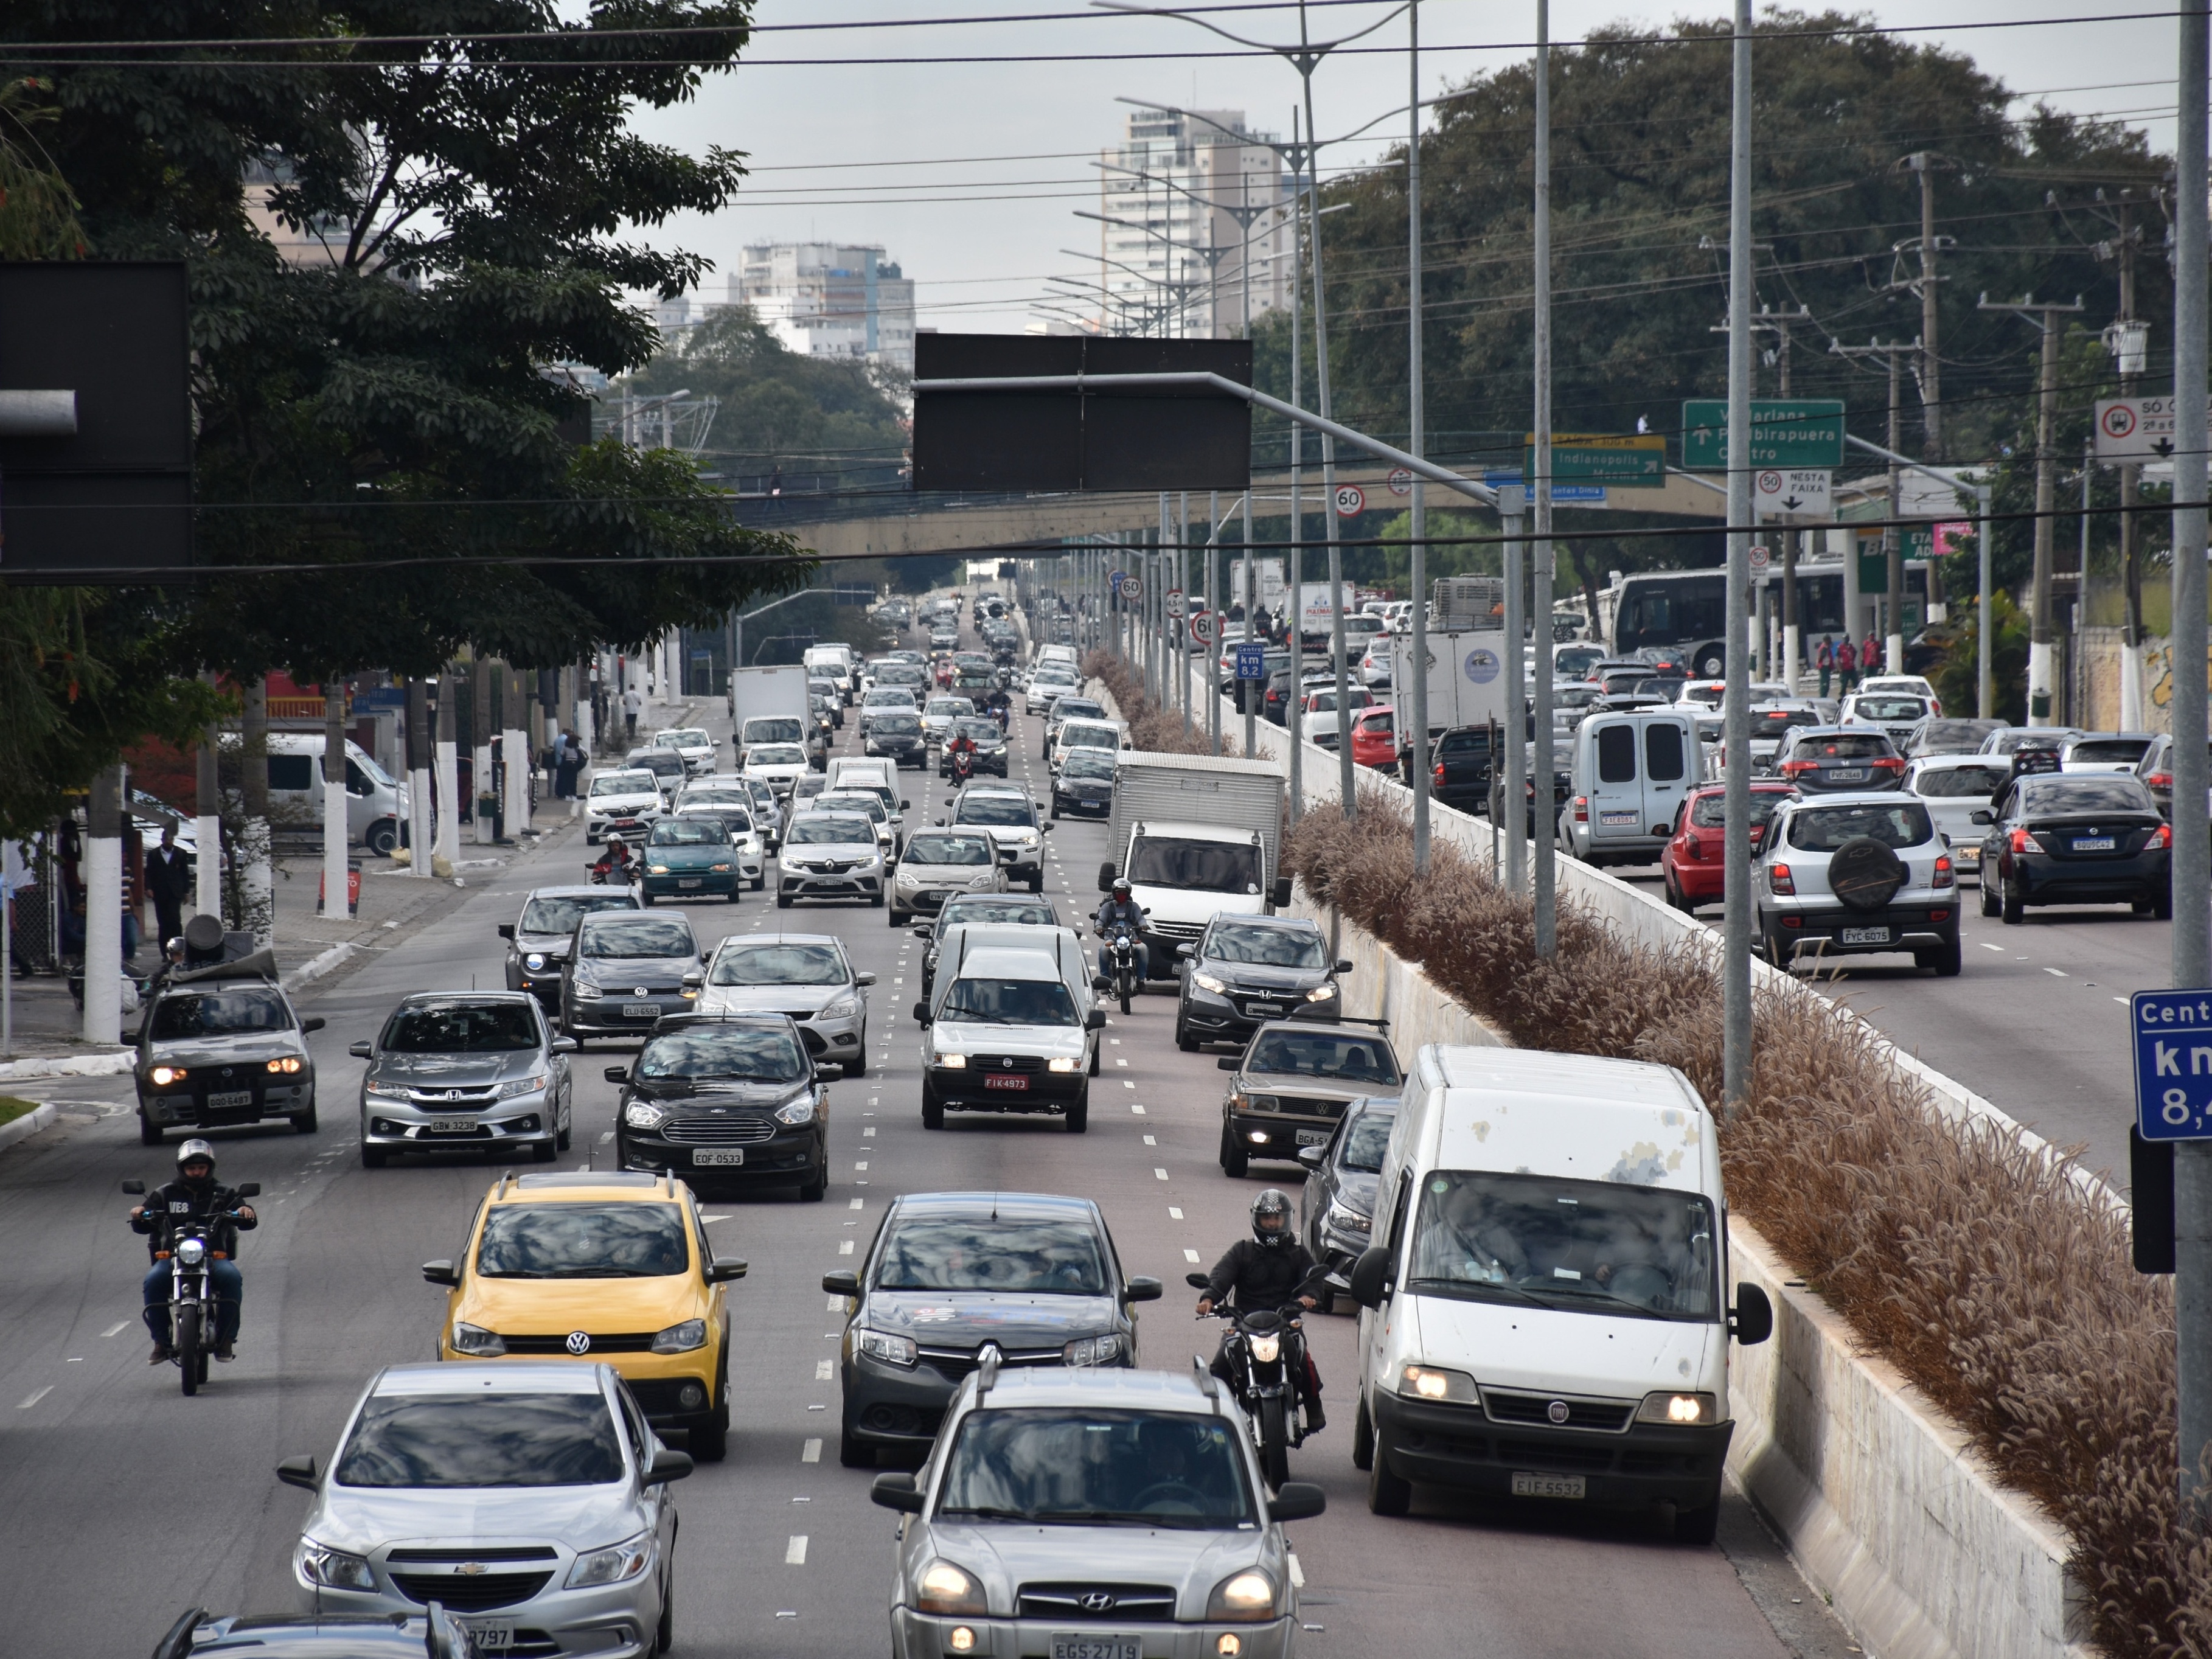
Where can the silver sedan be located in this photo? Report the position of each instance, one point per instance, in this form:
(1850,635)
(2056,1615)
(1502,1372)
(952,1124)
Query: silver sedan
(805,975)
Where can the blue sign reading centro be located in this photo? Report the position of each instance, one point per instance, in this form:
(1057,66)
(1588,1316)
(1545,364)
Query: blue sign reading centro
(1251,662)
(1114,578)
(2173,1035)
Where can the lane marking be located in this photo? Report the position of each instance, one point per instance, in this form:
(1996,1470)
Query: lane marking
(844,1247)
(34,1399)
(861,1166)
(869,1132)
(1137,1107)
(607,1136)
(855,1204)
(1190,1256)
(2057,972)
(794,1552)
(1126,1083)
(811,1452)
(825,1370)
(2122,1001)
(1159,1175)
(116,1327)
(835,1304)
(1152,1140)
(1174,1214)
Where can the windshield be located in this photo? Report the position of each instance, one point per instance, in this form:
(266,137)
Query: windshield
(778,964)
(686,832)
(626,783)
(770,729)
(948,850)
(1077,734)
(637,936)
(2091,794)
(978,731)
(583,1241)
(1586,1246)
(1155,1469)
(376,773)
(1710,812)
(747,1054)
(1209,867)
(2127,750)
(482,1028)
(661,762)
(691,738)
(1009,1002)
(1961,782)
(888,696)
(1032,913)
(903,724)
(481,1439)
(1271,947)
(854,800)
(229,1010)
(1011,1254)
(996,809)
(1889,709)
(560,915)
(824,830)
(775,754)
(1954,736)
(1088,763)
(1324,1055)
(725,821)
(1825,828)
(951,706)
(1366,1141)
(1066,709)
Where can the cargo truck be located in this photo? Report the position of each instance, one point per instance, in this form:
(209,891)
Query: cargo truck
(769,705)
(1466,679)
(1197,837)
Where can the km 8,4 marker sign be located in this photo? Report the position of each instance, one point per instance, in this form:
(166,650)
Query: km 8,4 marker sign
(2172,1033)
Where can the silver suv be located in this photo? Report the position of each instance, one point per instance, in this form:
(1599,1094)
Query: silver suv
(1858,873)
(1093,1512)
(528,1497)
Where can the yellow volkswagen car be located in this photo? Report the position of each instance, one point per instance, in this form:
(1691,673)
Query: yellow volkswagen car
(611,1267)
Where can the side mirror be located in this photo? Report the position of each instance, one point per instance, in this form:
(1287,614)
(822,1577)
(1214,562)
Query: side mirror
(1751,1321)
(440,1273)
(1095,1020)
(1297,1500)
(1230,1062)
(844,1282)
(618,1073)
(724,1269)
(1044,829)
(921,1013)
(1371,1277)
(667,1465)
(1982,815)
(297,1471)
(562,1045)
(921,930)
(694,978)
(361,1051)
(1100,982)
(897,1492)
(938,822)
(1196,1281)
(1105,877)
(1280,893)
(1141,1289)
(313,1022)
(1344,966)
(507,930)
(904,805)
(1312,1157)
(827,1071)
(1186,950)
(248,1189)
(136,1188)
(864,979)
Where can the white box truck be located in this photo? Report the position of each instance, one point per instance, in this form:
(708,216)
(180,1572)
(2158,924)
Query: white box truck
(1267,573)
(1466,677)
(1196,837)
(768,705)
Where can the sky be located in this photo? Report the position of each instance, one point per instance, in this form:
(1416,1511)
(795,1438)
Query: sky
(969,173)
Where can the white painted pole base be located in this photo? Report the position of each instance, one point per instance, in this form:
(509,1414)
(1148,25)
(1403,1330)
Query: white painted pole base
(334,851)
(449,802)
(480,778)
(207,865)
(2040,658)
(2131,699)
(516,811)
(103,939)
(418,821)
(260,882)
(1893,655)
(1793,655)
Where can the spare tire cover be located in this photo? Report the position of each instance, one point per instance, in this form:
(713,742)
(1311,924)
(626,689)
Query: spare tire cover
(1865,874)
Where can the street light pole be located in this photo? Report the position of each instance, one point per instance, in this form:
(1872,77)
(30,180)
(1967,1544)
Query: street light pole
(1541,847)
(1736,959)
(1414,707)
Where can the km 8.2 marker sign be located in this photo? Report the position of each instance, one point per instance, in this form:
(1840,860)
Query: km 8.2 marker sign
(2172,1035)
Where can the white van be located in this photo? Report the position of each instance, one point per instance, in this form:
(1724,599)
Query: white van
(376,802)
(837,662)
(1548,1313)
(1005,1031)
(878,775)
(1632,769)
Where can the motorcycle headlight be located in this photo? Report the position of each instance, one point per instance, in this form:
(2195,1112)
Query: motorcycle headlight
(1064,1063)
(534,961)
(1267,1349)
(1322,994)
(615,1565)
(1207,982)
(1247,1598)
(333,1568)
(800,1111)
(162,1076)
(892,1350)
(475,1339)
(644,1114)
(1092,1350)
(191,1251)
(843,1008)
(680,1339)
(944,1589)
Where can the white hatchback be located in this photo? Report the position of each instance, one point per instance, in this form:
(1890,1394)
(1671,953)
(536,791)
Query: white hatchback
(1955,787)
(779,765)
(626,804)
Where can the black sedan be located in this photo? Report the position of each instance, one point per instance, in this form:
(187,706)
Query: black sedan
(537,941)
(223,1045)
(727,1101)
(897,738)
(1817,759)
(1336,1211)
(2082,838)
(1033,1276)
(1243,971)
(1085,785)
(990,747)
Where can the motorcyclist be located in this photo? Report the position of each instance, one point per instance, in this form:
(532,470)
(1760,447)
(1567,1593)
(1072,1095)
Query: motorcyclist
(1270,1270)
(1121,910)
(194,1194)
(960,743)
(615,862)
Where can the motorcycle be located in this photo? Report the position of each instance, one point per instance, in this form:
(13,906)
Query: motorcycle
(1263,1348)
(188,1248)
(962,764)
(606,870)
(1121,952)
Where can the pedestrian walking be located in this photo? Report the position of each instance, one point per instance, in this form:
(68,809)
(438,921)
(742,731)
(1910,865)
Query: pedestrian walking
(568,761)
(168,879)
(1870,654)
(632,705)
(1847,666)
(1824,659)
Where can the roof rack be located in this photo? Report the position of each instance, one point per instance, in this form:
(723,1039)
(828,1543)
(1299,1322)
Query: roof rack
(1208,1383)
(986,1372)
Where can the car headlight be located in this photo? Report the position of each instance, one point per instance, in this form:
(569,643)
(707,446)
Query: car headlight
(843,1008)
(522,1085)
(1342,1220)
(585,991)
(1268,1348)
(680,1339)
(793,865)
(719,869)
(333,1568)
(1064,1063)
(892,1350)
(1207,982)
(289,1065)
(644,1114)
(1433,1383)
(392,1091)
(906,878)
(1680,1409)
(799,1111)
(1092,1350)
(191,1251)
(991,880)
(534,961)
(162,1076)
(656,869)
(944,1589)
(1322,994)
(615,1565)
(475,1339)
(1244,1102)
(952,1062)
(1248,1597)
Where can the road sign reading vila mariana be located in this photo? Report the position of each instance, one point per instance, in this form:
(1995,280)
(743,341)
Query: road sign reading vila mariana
(1785,432)
(1621,460)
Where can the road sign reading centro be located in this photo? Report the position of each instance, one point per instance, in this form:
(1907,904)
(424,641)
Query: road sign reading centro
(1252,662)
(2172,1033)
(1785,432)
(1625,460)
(1116,578)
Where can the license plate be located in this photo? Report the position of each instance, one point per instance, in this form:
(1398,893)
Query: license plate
(641,1011)
(1967,854)
(1864,936)
(702,1158)
(690,881)
(1547,1485)
(1617,820)
(1264,1010)
(2095,843)
(1313,1137)
(1068,1646)
(1848,774)
(452,1126)
(490,1638)
(230,1100)
(999,1080)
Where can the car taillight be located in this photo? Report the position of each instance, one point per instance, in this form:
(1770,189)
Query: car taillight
(1796,769)
(2161,780)
(1694,846)
(1888,763)
(1581,809)
(1779,879)
(2161,836)
(1440,765)
(1943,876)
(2024,843)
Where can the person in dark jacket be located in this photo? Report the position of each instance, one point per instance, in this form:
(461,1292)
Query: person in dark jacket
(194,1194)
(168,879)
(1269,1270)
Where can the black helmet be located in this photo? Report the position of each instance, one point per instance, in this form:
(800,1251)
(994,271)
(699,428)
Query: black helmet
(1271,1218)
(196,1150)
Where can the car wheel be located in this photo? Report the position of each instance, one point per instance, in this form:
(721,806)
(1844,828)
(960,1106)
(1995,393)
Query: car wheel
(383,835)
(1235,1163)
(567,1133)
(876,900)
(1698,1526)
(1036,882)
(710,1441)
(782,900)
(1711,665)
(1055,810)
(374,1157)
(933,1111)
(1078,1112)
(1363,1440)
(736,887)
(663,1632)
(2014,909)
(150,1132)
(1184,1040)
(590,840)
(645,897)
(855,1454)
(860,1065)
(1989,902)
(1944,958)
(543,1152)
(1386,1494)
(759,882)
(303,1123)
(813,1192)
(2161,907)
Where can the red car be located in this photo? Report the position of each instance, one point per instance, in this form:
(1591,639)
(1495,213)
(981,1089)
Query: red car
(1373,739)
(1691,865)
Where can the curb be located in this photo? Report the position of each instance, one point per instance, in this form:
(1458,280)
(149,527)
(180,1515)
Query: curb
(112,1064)
(22,1129)
(316,966)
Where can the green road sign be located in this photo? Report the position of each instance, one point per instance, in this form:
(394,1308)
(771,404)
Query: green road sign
(1622,460)
(1785,432)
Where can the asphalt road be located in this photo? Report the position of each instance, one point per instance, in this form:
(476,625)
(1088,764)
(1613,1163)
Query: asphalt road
(121,1503)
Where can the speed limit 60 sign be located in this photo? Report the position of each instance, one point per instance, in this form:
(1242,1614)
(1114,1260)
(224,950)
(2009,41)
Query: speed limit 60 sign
(1350,501)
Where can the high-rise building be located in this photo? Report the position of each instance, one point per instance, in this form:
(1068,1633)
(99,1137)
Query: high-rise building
(827,300)
(1197,240)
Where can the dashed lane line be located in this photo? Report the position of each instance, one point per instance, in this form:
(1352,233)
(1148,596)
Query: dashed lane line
(811,1452)
(794,1552)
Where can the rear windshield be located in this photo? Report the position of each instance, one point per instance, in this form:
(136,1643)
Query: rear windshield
(1710,812)
(2115,793)
(948,850)
(1076,735)
(1841,746)
(638,936)
(560,915)
(1954,736)
(1962,782)
(2127,750)
(461,1029)
(1030,912)
(1824,828)
(1324,1055)
(481,1439)
(1774,720)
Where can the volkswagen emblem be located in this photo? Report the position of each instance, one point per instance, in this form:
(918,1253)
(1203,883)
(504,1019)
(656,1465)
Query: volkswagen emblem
(1097,1602)
(1557,1411)
(640,991)
(579,1342)
(472,1569)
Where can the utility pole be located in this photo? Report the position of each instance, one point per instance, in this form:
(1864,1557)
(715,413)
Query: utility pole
(1893,540)
(1780,323)
(1543,870)
(2043,632)
(2128,338)
(1929,367)
(1293,721)
(1416,709)
(1735,955)
(2192,949)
